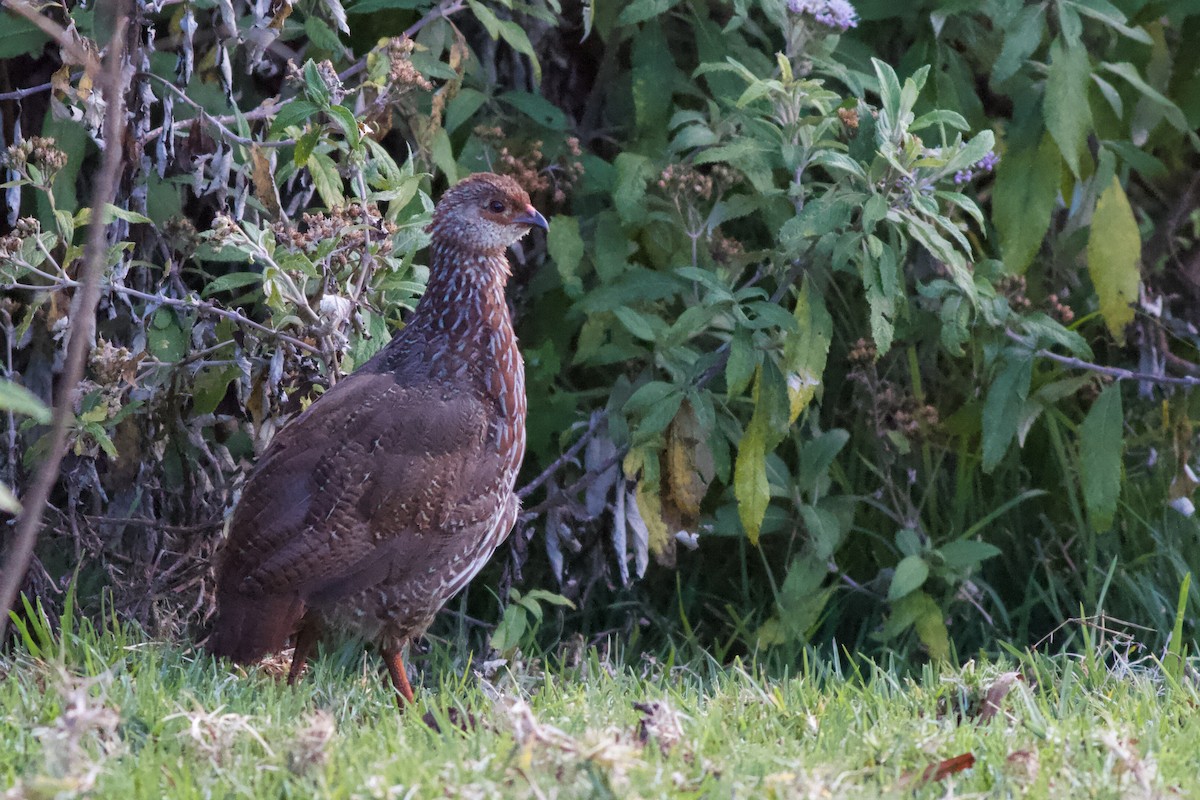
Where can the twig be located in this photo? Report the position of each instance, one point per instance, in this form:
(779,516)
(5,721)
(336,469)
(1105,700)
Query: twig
(20,94)
(443,9)
(262,112)
(83,315)
(70,42)
(568,455)
(175,302)
(228,134)
(1120,373)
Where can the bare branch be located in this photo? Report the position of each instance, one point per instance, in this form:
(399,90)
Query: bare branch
(1119,373)
(567,457)
(20,94)
(74,50)
(445,8)
(264,111)
(214,121)
(112,84)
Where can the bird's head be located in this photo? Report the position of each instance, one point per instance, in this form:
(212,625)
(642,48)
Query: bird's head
(485,213)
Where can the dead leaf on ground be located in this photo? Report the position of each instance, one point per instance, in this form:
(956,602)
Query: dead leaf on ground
(993,698)
(939,771)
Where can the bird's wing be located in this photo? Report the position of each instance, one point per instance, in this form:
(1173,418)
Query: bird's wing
(371,465)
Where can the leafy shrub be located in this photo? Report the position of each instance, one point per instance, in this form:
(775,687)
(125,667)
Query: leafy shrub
(834,319)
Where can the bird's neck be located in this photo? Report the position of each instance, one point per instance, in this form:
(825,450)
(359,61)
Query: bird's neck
(464,298)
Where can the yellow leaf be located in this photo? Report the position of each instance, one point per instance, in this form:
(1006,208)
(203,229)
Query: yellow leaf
(1113,252)
(661,543)
(689,463)
(807,349)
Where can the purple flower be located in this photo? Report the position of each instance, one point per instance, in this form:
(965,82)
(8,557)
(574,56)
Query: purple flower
(988,162)
(963,176)
(837,14)
(840,15)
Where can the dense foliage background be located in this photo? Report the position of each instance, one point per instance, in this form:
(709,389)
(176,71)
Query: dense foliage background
(872,327)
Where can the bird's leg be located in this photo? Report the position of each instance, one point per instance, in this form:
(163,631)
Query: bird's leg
(395,664)
(306,637)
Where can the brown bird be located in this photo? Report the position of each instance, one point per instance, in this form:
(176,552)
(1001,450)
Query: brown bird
(391,491)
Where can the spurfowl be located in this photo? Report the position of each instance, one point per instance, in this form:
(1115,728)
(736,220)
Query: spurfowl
(385,497)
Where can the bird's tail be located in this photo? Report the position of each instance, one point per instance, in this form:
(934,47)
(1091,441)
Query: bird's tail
(247,628)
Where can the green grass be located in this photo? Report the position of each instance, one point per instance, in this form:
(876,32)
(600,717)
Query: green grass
(110,714)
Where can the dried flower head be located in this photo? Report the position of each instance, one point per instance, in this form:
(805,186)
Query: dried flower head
(1013,288)
(548,181)
(402,75)
(333,83)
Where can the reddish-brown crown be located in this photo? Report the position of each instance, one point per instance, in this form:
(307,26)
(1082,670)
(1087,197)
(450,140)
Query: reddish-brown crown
(483,214)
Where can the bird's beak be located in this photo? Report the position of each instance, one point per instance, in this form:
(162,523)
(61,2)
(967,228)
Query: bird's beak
(531,216)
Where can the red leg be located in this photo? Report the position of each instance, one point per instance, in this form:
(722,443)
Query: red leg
(306,637)
(395,665)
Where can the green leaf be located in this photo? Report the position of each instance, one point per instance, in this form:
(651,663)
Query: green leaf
(1021,39)
(295,112)
(750,485)
(1173,662)
(345,120)
(633,172)
(610,255)
(132,217)
(1111,16)
(642,10)
(807,348)
(487,18)
(16,398)
(635,322)
(910,575)
(516,38)
(1002,409)
(1065,106)
(824,530)
(210,385)
(460,109)
(511,628)
(889,89)
(1101,443)
(1113,251)
(652,74)
(647,395)
(443,155)
(326,179)
(321,35)
(565,246)
(165,337)
(537,108)
(967,553)
(1026,192)
(1171,111)
(19,36)
(234,280)
(742,363)
(930,624)
(305,146)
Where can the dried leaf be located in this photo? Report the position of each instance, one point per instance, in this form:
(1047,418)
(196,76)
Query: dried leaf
(994,697)
(939,771)
(641,534)
(263,179)
(689,466)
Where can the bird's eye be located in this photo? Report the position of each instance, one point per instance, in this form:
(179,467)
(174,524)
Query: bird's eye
(496,207)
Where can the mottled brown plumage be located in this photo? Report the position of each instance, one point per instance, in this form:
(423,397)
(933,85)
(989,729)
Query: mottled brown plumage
(391,491)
